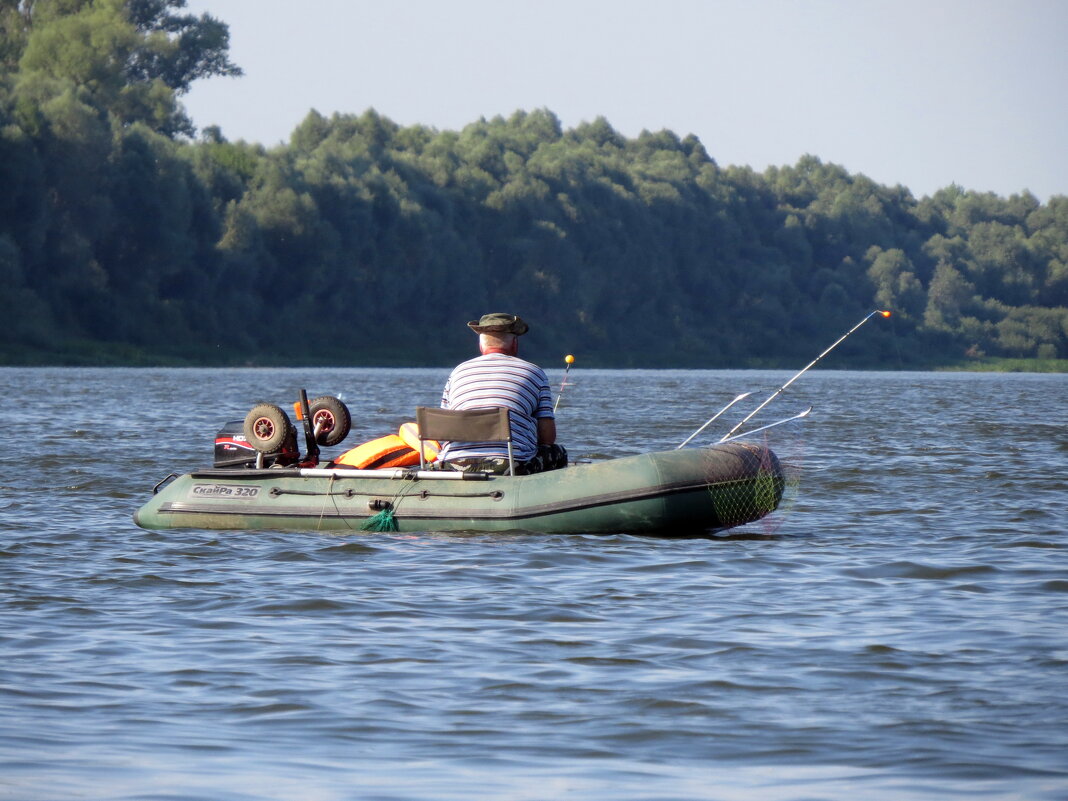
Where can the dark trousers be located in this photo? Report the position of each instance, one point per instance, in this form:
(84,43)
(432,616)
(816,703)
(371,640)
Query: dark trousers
(548,457)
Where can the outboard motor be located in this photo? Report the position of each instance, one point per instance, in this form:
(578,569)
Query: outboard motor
(232,448)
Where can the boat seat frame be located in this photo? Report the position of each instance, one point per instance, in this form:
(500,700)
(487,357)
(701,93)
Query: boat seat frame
(487,424)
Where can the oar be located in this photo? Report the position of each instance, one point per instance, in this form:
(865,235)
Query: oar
(569,359)
(779,391)
(713,417)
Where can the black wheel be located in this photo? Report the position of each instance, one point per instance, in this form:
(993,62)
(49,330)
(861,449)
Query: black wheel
(330,418)
(267,428)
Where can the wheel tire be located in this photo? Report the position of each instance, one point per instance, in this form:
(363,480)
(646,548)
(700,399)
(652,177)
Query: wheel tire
(333,417)
(267,427)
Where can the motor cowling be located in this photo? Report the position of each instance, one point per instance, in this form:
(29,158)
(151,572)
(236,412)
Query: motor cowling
(232,448)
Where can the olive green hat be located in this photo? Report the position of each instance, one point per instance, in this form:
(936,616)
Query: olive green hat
(499,323)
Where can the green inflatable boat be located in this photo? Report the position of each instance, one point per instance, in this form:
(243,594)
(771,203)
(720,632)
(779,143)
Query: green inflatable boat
(671,493)
(679,493)
(260,480)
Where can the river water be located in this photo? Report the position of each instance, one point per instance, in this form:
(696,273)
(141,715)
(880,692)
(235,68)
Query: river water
(898,632)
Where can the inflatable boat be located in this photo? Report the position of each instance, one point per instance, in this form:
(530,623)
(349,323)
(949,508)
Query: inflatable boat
(671,493)
(681,492)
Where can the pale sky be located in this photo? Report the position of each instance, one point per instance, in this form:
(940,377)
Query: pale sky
(924,93)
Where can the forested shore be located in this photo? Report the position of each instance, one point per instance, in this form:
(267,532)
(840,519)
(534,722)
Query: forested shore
(126,237)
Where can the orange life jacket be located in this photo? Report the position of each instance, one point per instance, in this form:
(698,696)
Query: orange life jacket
(387,451)
(409,432)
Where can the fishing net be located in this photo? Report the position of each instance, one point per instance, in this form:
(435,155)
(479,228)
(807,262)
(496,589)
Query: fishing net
(383,521)
(759,499)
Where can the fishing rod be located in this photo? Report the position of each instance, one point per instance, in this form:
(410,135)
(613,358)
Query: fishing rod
(714,417)
(569,359)
(797,416)
(779,391)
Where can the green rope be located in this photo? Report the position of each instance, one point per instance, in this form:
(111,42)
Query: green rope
(383,521)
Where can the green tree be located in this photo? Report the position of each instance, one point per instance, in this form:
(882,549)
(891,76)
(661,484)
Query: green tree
(947,297)
(131,58)
(177,49)
(896,284)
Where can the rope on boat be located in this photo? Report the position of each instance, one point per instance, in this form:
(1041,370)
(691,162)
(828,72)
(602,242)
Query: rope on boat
(385,520)
(351,493)
(322,512)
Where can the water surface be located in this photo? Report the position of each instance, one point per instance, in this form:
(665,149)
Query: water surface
(898,631)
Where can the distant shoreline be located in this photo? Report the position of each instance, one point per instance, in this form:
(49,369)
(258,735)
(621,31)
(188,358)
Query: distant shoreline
(1003,365)
(126,357)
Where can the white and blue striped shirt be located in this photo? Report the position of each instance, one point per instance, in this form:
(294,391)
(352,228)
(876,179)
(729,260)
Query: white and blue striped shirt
(497,379)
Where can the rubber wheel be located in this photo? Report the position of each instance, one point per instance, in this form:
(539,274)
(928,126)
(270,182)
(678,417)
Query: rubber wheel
(267,428)
(333,419)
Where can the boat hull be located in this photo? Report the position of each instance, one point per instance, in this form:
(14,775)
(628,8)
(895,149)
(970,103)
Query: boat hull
(676,493)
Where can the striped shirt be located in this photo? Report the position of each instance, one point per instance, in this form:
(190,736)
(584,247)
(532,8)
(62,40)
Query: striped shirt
(496,379)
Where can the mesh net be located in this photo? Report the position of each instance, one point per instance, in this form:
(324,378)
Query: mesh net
(759,501)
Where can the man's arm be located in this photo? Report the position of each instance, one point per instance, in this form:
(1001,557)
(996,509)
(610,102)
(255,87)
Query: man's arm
(546,431)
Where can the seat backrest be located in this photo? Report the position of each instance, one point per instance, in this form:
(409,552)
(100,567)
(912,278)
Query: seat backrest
(488,424)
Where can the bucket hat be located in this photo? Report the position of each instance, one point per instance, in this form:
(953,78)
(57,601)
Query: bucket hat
(499,323)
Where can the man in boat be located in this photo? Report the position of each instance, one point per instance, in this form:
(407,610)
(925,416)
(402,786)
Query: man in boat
(498,377)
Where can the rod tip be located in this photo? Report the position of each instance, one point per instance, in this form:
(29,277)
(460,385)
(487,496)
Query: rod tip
(884,313)
(569,359)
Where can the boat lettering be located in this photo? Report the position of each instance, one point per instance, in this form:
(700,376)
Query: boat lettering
(225,491)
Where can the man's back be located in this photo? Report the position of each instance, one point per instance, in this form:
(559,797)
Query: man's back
(497,379)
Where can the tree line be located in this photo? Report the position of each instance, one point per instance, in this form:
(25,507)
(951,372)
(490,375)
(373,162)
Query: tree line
(126,238)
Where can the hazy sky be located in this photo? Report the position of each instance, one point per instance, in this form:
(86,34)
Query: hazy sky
(924,93)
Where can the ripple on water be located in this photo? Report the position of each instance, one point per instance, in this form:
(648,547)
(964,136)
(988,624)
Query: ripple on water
(898,637)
